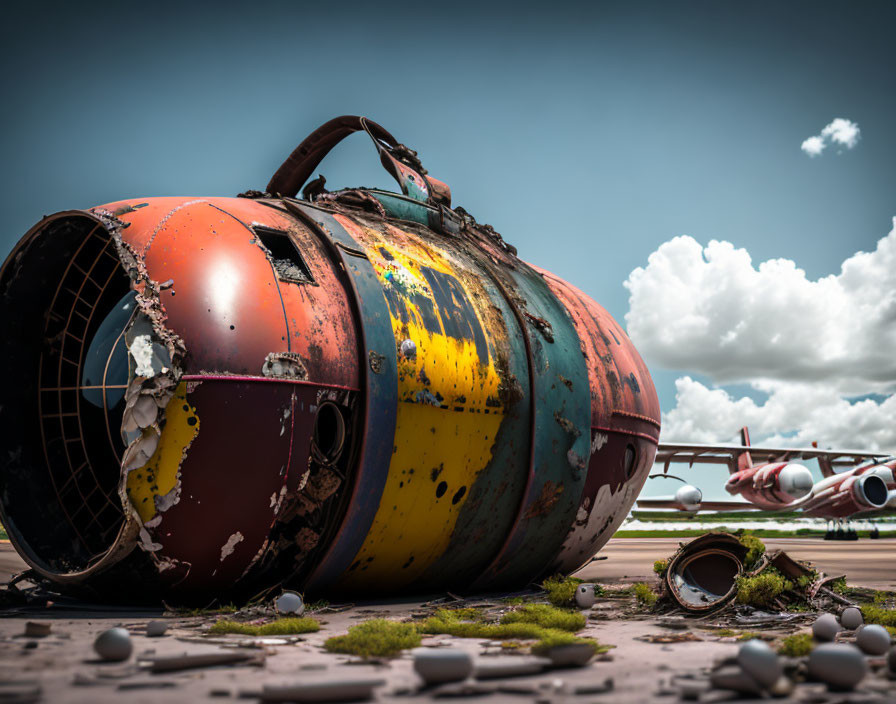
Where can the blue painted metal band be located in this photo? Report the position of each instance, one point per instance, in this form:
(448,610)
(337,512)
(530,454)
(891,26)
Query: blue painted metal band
(562,438)
(380,365)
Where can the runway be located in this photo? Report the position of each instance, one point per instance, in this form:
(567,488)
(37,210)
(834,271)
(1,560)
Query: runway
(866,563)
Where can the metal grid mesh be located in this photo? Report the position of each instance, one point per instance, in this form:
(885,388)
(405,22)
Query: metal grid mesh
(76,450)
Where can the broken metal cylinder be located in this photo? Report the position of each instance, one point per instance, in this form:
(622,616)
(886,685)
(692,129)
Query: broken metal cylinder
(702,576)
(367,392)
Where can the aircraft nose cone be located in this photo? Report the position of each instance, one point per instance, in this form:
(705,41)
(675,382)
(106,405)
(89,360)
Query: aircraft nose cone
(795,480)
(689,497)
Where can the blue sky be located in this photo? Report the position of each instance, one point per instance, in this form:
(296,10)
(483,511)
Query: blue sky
(587,136)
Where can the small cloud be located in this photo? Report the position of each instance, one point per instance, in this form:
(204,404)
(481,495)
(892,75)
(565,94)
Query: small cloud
(843,132)
(813,146)
(840,131)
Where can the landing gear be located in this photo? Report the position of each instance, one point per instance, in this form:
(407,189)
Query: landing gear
(875,533)
(839,533)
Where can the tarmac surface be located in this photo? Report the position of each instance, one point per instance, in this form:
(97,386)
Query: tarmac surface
(62,667)
(866,563)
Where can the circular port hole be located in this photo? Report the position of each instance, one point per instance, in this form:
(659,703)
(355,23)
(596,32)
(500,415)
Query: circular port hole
(329,432)
(629,461)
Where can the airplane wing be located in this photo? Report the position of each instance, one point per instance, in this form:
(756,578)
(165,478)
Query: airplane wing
(704,505)
(728,454)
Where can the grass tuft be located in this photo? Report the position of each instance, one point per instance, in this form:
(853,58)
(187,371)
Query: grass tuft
(562,590)
(797,645)
(660,567)
(644,594)
(378,637)
(280,627)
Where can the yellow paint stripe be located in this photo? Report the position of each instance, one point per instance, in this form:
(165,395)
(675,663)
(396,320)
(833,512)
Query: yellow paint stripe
(159,476)
(439,449)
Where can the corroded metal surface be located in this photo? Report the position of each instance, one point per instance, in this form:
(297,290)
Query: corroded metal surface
(367,392)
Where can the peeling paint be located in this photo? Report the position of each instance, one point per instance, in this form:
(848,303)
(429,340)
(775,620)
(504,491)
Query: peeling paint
(228,547)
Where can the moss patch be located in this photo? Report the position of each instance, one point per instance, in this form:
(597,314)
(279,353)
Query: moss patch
(879,615)
(797,645)
(280,627)
(378,637)
(562,590)
(527,623)
(755,549)
(760,591)
(547,616)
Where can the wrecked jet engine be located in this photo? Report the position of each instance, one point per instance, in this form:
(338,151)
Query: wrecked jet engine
(364,391)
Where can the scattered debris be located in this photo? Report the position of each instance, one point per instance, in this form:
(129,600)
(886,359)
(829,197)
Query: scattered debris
(190,661)
(442,665)
(686,637)
(114,644)
(508,666)
(34,629)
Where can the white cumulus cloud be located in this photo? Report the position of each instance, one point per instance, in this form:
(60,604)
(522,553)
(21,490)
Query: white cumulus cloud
(809,345)
(840,131)
(813,146)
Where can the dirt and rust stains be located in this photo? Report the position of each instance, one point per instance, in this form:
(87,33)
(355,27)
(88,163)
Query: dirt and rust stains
(284,365)
(542,325)
(566,382)
(568,426)
(376,361)
(632,382)
(548,496)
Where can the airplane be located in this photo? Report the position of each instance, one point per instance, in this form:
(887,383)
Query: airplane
(777,483)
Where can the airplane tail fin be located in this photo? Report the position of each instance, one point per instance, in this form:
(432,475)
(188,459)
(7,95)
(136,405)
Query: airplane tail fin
(744,460)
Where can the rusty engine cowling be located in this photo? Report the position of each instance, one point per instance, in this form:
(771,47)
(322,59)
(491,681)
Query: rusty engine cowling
(368,390)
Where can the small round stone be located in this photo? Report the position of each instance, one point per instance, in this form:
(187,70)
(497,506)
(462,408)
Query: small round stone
(585,596)
(440,665)
(760,662)
(873,639)
(114,644)
(891,659)
(851,618)
(154,629)
(826,627)
(840,665)
(290,603)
